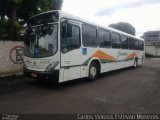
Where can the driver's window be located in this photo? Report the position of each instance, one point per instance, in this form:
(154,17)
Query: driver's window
(70,38)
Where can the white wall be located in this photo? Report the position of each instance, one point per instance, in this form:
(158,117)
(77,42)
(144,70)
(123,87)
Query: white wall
(10,60)
(152,50)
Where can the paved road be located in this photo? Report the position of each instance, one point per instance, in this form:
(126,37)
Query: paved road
(122,91)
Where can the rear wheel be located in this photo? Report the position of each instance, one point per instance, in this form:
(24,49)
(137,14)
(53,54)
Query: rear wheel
(93,71)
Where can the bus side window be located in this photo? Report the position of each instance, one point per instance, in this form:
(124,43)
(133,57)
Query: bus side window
(136,44)
(104,38)
(89,35)
(69,30)
(70,38)
(131,43)
(141,45)
(116,41)
(124,40)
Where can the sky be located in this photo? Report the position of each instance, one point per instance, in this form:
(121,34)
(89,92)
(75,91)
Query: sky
(144,15)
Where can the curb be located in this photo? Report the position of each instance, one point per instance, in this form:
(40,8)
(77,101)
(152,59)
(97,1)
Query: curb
(10,75)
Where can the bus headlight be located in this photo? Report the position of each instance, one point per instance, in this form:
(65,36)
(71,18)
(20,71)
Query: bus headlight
(51,66)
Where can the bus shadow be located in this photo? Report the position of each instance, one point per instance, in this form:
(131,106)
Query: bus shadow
(23,83)
(49,84)
(116,72)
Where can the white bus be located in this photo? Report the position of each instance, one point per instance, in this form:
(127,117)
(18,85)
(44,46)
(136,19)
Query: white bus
(64,47)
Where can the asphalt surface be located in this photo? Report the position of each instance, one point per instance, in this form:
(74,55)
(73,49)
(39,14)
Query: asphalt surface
(123,91)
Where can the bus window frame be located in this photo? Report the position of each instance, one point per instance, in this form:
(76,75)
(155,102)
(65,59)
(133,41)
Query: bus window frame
(127,41)
(112,32)
(72,24)
(109,38)
(97,44)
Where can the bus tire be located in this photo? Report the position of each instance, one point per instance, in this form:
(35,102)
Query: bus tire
(93,71)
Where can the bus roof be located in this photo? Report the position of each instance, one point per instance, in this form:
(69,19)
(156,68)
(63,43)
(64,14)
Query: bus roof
(63,14)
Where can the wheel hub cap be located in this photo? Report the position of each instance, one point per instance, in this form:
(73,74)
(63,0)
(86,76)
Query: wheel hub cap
(93,71)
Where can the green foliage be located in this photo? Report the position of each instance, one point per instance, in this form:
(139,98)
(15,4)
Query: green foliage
(43,5)
(55,4)
(3,8)
(22,9)
(16,3)
(16,25)
(27,9)
(6,27)
(125,27)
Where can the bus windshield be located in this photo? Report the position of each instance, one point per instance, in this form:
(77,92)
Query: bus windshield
(41,41)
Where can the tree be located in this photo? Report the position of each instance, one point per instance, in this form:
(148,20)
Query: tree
(23,9)
(27,9)
(3,9)
(31,7)
(125,27)
(4,24)
(13,6)
(56,4)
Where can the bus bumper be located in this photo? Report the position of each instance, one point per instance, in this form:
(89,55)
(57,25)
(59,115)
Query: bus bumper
(54,75)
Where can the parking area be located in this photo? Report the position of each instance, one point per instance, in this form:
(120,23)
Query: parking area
(123,91)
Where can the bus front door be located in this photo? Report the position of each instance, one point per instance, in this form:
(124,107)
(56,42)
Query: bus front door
(71,51)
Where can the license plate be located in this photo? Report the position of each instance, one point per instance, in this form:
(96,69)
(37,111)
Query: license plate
(34,75)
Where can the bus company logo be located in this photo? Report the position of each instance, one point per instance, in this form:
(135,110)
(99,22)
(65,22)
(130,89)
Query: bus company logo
(122,53)
(16,54)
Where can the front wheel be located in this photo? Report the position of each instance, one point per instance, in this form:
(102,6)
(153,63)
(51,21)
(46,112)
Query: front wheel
(93,71)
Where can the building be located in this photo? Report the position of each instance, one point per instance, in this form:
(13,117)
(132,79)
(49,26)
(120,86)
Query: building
(152,36)
(152,42)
